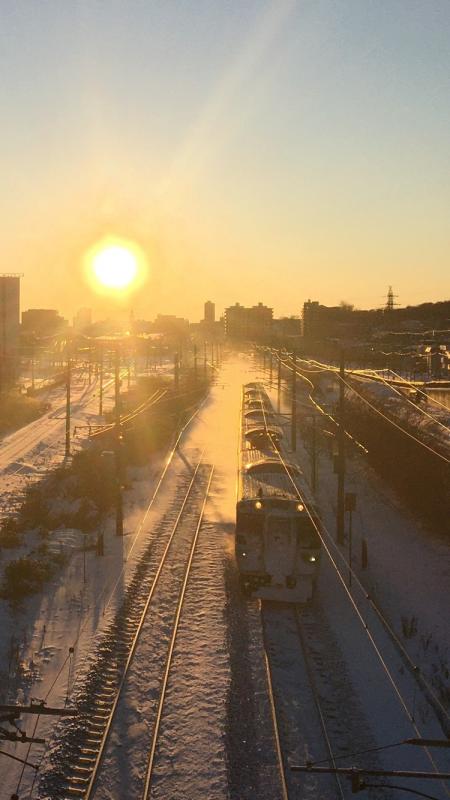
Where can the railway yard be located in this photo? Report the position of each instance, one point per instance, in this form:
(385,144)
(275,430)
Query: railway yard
(186,688)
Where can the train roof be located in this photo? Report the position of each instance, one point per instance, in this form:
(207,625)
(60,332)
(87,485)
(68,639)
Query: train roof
(264,475)
(253,431)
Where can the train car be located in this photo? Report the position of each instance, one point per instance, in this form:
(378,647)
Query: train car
(277,546)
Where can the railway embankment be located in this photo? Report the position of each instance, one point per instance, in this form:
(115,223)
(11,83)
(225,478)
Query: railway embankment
(408,443)
(17,410)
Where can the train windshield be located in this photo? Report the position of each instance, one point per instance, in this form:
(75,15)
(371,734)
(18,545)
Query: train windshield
(250,523)
(279,525)
(307,534)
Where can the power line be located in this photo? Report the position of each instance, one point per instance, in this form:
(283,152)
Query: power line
(395,424)
(361,618)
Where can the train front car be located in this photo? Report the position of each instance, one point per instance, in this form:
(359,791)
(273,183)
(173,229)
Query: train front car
(277,547)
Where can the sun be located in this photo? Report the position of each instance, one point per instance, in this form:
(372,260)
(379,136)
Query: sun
(115,267)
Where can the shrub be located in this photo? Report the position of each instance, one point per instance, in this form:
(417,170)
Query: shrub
(9,534)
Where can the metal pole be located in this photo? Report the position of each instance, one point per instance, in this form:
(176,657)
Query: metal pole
(205,367)
(294,404)
(118,442)
(271,368)
(32,365)
(314,456)
(340,511)
(279,382)
(100,394)
(68,381)
(350,545)
(195,363)
(176,371)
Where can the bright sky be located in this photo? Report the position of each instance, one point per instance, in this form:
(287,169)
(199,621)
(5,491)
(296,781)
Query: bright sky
(256,150)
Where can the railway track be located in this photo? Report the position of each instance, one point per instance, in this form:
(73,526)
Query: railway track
(316,717)
(150,610)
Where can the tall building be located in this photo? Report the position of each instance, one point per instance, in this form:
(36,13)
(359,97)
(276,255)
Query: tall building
(9,327)
(311,315)
(249,324)
(210,313)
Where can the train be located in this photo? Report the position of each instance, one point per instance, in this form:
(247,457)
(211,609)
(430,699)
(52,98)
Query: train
(277,546)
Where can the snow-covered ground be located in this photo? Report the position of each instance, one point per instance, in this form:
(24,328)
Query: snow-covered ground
(408,577)
(227,722)
(223,635)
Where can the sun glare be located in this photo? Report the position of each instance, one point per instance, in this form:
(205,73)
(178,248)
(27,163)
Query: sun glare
(115,267)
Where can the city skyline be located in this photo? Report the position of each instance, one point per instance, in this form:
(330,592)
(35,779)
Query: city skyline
(236,145)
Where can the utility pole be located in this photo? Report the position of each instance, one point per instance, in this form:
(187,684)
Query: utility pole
(340,512)
(118,443)
(350,506)
(100,394)
(271,367)
(176,371)
(195,364)
(294,404)
(32,365)
(68,380)
(212,354)
(279,381)
(313,455)
(90,366)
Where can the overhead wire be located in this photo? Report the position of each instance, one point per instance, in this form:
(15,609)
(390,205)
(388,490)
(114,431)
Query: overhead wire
(354,605)
(392,422)
(417,408)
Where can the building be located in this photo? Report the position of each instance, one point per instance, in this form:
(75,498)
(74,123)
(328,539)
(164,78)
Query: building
(248,324)
(171,325)
(287,328)
(82,320)
(9,327)
(43,322)
(210,313)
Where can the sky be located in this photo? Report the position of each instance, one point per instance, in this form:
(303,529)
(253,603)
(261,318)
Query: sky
(256,150)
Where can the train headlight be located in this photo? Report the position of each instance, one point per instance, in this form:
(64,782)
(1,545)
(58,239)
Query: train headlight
(258,505)
(300,507)
(311,559)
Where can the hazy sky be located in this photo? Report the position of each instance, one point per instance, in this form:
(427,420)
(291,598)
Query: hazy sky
(257,150)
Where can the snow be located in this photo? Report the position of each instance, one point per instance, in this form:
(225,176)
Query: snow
(409,578)
(217,702)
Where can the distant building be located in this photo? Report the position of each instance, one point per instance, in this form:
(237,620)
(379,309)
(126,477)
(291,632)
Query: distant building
(311,318)
(171,325)
(9,327)
(43,322)
(248,324)
(287,328)
(82,320)
(210,313)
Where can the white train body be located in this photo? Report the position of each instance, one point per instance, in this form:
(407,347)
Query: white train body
(277,546)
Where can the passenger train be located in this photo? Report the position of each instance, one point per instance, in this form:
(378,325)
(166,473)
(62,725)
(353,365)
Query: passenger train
(277,546)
